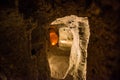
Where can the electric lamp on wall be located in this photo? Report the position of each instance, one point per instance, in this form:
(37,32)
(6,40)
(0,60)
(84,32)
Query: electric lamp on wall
(53,36)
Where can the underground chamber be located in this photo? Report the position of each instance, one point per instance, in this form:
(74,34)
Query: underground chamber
(66,47)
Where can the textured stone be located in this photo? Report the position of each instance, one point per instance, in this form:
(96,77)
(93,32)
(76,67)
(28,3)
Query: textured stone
(79,28)
(103,58)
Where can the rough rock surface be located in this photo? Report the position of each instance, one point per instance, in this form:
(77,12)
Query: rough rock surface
(79,28)
(103,58)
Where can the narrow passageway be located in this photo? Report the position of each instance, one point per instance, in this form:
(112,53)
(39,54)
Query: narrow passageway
(59,52)
(59,62)
(68,55)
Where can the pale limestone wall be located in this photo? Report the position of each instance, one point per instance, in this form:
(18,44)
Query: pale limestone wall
(79,28)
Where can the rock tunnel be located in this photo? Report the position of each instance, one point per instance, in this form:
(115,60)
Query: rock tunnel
(69,55)
(59,40)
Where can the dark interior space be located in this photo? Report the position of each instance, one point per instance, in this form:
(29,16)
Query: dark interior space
(25,45)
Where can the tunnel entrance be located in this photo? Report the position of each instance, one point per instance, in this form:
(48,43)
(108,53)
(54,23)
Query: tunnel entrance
(59,50)
(67,47)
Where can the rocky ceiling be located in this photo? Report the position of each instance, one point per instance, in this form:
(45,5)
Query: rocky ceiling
(18,40)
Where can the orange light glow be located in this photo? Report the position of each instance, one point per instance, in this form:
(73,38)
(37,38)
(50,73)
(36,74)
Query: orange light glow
(53,37)
(53,43)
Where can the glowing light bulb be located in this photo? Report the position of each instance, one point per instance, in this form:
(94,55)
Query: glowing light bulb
(53,38)
(53,44)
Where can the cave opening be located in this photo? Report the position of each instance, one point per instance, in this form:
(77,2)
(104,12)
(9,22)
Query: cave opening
(59,51)
(65,46)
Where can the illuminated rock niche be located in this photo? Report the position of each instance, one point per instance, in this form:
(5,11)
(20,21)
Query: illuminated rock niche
(77,29)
